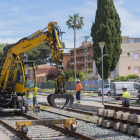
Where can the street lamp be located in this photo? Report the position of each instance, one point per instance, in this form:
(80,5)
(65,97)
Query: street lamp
(102,44)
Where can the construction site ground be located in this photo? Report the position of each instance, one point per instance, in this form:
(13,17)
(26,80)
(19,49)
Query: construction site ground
(93,103)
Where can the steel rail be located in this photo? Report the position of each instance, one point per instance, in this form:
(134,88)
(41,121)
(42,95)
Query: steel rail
(25,137)
(81,111)
(124,109)
(121,104)
(74,110)
(68,116)
(74,134)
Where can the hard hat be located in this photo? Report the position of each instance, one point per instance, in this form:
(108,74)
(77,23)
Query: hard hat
(124,86)
(78,80)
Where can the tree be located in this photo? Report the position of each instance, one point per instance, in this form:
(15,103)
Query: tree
(1,50)
(52,74)
(70,73)
(39,54)
(125,78)
(71,79)
(120,78)
(63,45)
(75,22)
(106,28)
(82,75)
(6,48)
(132,76)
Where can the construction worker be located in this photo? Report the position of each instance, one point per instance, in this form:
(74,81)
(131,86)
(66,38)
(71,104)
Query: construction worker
(78,89)
(35,94)
(27,94)
(125,97)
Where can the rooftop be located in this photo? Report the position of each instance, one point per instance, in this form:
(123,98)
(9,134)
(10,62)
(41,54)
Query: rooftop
(41,75)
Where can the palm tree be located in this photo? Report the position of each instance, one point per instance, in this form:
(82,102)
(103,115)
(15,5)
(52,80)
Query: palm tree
(75,22)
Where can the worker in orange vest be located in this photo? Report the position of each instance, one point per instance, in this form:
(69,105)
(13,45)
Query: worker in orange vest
(78,89)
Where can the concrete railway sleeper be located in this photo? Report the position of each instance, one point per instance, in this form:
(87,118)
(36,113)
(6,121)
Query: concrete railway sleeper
(126,120)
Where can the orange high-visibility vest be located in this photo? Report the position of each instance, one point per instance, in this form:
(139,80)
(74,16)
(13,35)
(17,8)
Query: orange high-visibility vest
(79,87)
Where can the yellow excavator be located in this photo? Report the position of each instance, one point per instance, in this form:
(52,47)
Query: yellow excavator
(18,76)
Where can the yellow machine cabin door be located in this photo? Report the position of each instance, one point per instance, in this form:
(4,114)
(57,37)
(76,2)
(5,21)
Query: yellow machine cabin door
(25,77)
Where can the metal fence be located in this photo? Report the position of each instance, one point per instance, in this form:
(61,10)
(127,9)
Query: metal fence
(46,85)
(72,85)
(91,85)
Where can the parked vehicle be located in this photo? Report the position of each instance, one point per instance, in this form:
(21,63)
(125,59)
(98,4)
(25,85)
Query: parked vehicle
(106,90)
(116,89)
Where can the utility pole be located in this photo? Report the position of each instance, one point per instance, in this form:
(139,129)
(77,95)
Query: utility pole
(102,44)
(86,61)
(75,54)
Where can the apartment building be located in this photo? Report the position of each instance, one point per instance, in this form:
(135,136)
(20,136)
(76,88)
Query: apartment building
(80,57)
(129,62)
(127,39)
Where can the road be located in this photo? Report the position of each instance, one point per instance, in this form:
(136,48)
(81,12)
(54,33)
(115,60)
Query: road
(42,98)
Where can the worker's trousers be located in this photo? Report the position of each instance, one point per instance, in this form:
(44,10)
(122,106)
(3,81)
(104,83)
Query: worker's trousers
(35,101)
(126,104)
(78,96)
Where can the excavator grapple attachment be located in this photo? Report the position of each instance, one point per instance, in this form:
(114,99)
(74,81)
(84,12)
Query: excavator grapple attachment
(68,97)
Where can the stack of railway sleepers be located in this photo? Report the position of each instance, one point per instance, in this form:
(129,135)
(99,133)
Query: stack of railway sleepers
(126,120)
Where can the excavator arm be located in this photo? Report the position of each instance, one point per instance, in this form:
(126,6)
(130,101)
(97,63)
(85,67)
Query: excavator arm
(25,45)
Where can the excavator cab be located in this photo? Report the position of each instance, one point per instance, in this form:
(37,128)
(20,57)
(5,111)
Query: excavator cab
(25,77)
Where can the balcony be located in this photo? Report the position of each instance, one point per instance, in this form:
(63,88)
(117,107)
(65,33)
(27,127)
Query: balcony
(81,62)
(82,54)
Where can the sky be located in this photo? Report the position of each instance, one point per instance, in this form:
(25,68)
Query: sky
(21,18)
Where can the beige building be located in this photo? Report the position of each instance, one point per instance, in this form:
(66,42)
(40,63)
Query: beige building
(129,62)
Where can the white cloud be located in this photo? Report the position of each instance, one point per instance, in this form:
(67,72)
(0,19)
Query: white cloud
(129,22)
(6,33)
(118,2)
(92,4)
(9,40)
(69,44)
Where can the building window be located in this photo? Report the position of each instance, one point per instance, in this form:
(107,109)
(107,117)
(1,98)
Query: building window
(128,54)
(136,55)
(129,68)
(136,69)
(130,40)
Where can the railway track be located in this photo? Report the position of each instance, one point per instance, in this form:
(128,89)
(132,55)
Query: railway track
(52,132)
(94,130)
(118,103)
(74,110)
(87,129)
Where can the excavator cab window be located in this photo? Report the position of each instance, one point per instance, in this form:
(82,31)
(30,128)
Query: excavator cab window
(19,76)
(29,75)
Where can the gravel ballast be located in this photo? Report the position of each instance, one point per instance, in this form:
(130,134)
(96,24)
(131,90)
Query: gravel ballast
(89,129)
